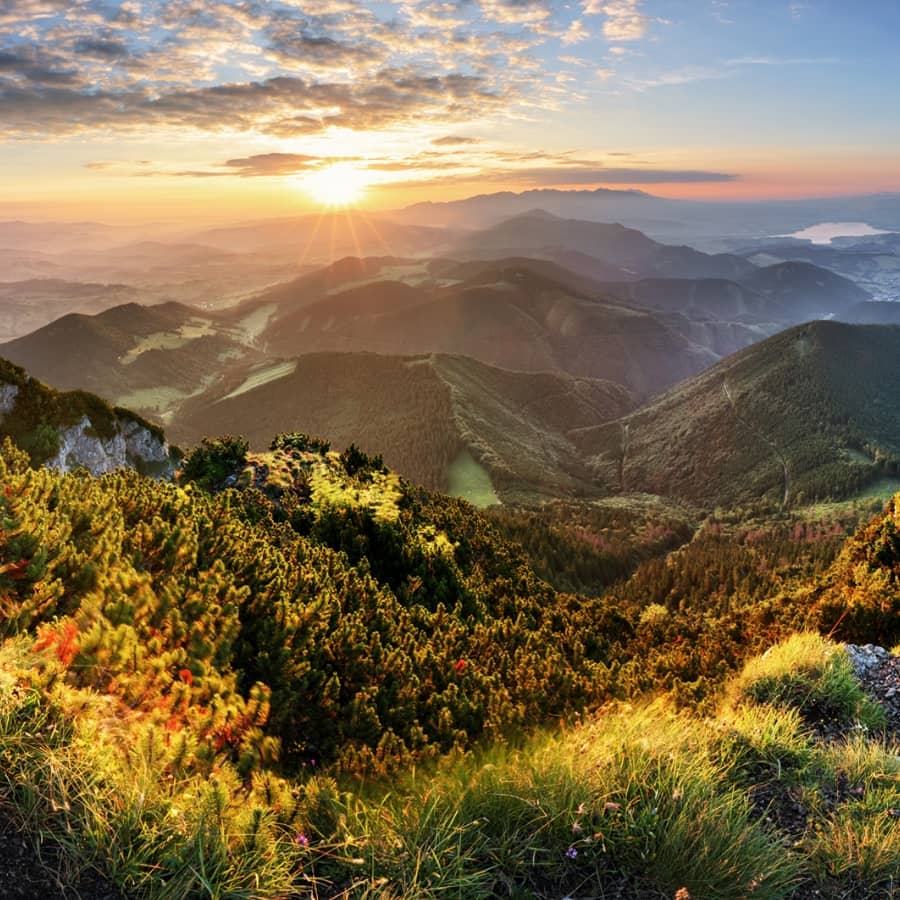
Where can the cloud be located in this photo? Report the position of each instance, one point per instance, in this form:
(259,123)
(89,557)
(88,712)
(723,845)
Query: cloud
(452,140)
(782,61)
(290,45)
(35,67)
(272,164)
(561,177)
(625,20)
(549,176)
(575,33)
(728,68)
(279,106)
(102,48)
(516,11)
(276,67)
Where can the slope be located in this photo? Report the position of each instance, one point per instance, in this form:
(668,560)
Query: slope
(76,429)
(30,304)
(809,413)
(806,291)
(149,358)
(430,416)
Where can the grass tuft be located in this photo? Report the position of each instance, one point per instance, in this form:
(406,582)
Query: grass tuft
(810,674)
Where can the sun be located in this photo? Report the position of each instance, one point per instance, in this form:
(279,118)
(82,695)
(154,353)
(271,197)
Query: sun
(340,184)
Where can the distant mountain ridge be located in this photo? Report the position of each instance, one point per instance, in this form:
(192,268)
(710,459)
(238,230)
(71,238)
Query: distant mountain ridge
(614,244)
(664,218)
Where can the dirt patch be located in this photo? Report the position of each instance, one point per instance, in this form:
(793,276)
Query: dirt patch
(32,868)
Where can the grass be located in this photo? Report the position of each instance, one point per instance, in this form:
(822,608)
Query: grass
(636,802)
(168,340)
(261,376)
(468,479)
(111,794)
(813,676)
(872,497)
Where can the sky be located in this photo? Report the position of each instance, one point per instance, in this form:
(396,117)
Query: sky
(243,108)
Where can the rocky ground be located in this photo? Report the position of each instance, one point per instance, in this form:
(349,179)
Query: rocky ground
(879,674)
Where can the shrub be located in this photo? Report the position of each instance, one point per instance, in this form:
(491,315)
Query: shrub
(300,442)
(356,462)
(210,463)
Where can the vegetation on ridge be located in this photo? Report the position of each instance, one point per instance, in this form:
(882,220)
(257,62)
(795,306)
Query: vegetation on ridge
(192,671)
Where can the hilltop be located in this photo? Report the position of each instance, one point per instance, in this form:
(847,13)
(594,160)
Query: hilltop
(76,429)
(150,358)
(30,304)
(809,413)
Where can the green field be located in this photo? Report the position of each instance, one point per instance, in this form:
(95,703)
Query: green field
(468,479)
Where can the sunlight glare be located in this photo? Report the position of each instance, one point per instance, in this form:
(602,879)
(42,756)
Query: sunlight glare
(340,184)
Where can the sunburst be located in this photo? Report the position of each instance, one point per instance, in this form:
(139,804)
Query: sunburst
(339,184)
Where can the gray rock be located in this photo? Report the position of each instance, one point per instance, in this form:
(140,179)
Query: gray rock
(132,445)
(8,395)
(878,671)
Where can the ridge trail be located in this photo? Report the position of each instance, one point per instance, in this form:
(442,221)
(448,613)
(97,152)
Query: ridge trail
(771,444)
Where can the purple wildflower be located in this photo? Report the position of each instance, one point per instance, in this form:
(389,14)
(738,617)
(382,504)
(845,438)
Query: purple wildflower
(302,840)
(571,853)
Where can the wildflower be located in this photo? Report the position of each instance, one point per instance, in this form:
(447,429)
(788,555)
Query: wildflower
(459,666)
(186,676)
(301,840)
(571,853)
(683,894)
(576,828)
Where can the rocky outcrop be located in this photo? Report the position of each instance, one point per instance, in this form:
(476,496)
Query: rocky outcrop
(8,395)
(878,671)
(133,444)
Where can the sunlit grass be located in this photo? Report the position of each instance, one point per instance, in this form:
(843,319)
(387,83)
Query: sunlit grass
(639,801)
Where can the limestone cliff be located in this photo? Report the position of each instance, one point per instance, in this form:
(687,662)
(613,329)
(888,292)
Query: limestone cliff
(70,430)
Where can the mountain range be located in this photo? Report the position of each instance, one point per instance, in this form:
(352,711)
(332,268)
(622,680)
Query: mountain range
(538,357)
(663,218)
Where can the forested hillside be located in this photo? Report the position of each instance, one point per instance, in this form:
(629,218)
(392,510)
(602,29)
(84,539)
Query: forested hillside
(427,415)
(809,414)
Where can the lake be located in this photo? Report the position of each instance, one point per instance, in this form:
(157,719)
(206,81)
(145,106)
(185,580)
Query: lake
(825,232)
